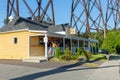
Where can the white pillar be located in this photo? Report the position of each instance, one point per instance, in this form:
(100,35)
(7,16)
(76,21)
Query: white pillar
(78,43)
(71,44)
(84,44)
(46,51)
(88,45)
(63,44)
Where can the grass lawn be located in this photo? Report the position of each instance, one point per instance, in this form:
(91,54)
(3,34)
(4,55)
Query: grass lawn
(98,57)
(94,57)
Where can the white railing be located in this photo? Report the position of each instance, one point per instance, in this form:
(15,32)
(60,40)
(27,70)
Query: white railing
(51,51)
(74,50)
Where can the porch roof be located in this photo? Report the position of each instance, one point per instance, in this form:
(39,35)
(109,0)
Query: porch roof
(55,35)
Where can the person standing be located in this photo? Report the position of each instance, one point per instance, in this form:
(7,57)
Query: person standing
(107,55)
(54,45)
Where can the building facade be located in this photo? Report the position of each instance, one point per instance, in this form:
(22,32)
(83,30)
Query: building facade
(23,39)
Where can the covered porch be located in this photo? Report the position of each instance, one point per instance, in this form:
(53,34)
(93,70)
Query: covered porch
(37,46)
(40,44)
(72,42)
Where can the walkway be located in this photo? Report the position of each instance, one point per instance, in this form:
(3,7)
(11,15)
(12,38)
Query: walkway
(17,70)
(109,70)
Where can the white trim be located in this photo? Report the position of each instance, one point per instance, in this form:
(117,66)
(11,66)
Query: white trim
(61,32)
(24,30)
(42,31)
(75,37)
(46,52)
(38,35)
(93,40)
(88,45)
(14,31)
(45,35)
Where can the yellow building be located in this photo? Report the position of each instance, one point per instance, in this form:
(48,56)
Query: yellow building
(24,39)
(20,39)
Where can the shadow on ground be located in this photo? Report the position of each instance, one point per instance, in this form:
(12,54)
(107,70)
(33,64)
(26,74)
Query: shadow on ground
(61,69)
(114,57)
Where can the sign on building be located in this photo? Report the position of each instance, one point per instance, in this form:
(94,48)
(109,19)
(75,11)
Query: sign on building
(71,31)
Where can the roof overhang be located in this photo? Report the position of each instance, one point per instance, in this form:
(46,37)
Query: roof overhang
(55,35)
(13,31)
(61,32)
(39,31)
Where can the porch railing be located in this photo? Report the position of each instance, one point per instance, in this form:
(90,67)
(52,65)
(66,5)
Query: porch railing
(51,51)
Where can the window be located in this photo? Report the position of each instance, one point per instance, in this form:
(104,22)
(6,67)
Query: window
(15,40)
(41,41)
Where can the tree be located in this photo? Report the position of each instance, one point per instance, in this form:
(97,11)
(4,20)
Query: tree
(112,41)
(99,36)
(6,21)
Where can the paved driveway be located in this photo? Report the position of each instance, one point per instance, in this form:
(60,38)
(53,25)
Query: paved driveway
(18,70)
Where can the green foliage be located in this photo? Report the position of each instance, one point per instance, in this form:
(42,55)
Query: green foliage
(67,51)
(96,57)
(87,54)
(112,41)
(118,49)
(66,57)
(57,52)
(6,21)
(75,57)
(79,51)
(99,36)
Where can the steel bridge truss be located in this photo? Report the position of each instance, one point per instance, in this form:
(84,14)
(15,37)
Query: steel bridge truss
(13,8)
(95,15)
(86,15)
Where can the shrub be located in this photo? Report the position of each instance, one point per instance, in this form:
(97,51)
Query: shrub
(87,54)
(67,51)
(79,51)
(75,57)
(118,49)
(66,57)
(57,52)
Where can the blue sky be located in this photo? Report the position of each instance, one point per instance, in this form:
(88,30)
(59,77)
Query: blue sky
(61,9)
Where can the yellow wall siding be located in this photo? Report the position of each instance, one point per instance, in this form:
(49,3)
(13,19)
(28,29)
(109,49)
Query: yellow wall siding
(9,50)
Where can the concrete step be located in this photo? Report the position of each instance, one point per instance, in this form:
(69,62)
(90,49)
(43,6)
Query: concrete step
(35,59)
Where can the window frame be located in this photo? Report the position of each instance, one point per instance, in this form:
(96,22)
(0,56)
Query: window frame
(15,40)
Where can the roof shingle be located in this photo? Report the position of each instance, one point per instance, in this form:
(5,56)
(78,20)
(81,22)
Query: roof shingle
(23,23)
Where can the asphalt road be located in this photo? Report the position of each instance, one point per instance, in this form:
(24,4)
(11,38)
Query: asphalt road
(18,70)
